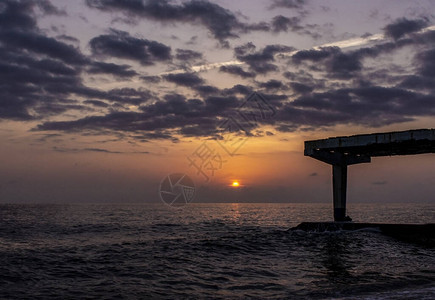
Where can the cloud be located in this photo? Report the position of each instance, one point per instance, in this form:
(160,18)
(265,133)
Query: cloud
(38,74)
(121,45)
(236,70)
(39,44)
(99,150)
(151,79)
(371,106)
(404,26)
(111,68)
(174,115)
(417,82)
(345,65)
(239,89)
(205,90)
(272,84)
(281,23)
(41,76)
(291,4)
(184,79)
(27,84)
(187,55)
(426,60)
(218,104)
(314,55)
(221,22)
(164,119)
(49,8)
(300,88)
(260,61)
(128,95)
(97,103)
(149,126)
(17,15)
(426,35)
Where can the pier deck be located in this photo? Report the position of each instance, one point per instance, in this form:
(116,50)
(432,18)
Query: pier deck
(348,150)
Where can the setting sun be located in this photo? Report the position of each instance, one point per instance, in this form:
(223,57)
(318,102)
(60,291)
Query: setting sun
(235,184)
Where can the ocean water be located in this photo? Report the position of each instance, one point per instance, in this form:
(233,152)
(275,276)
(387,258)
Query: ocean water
(209,251)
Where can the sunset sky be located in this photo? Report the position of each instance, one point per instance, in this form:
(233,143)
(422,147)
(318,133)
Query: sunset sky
(101,99)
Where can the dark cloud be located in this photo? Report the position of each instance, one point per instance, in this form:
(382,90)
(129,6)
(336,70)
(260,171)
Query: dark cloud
(416,82)
(292,4)
(184,79)
(345,65)
(97,103)
(156,126)
(40,44)
(368,106)
(276,100)
(121,45)
(205,90)
(48,8)
(17,15)
(42,76)
(68,38)
(151,79)
(300,75)
(424,78)
(111,68)
(128,95)
(187,55)
(239,89)
(39,74)
(272,84)
(28,86)
(236,70)
(426,61)
(300,88)
(404,26)
(260,61)
(281,23)
(100,150)
(177,105)
(221,23)
(51,109)
(19,34)
(219,104)
(315,55)
(174,114)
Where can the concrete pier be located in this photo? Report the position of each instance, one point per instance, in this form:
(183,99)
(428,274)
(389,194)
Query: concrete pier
(423,234)
(339,182)
(341,152)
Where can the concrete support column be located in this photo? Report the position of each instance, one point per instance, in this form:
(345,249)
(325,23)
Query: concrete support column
(339,182)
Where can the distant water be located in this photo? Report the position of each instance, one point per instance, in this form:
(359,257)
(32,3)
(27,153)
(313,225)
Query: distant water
(208,251)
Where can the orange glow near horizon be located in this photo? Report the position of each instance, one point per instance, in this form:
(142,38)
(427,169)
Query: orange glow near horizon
(235,183)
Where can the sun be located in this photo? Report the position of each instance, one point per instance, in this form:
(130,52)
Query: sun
(235,184)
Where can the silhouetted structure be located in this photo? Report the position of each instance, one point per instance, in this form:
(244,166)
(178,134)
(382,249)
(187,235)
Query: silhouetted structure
(348,150)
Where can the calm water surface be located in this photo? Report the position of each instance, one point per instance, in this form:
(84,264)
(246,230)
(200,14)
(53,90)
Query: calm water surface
(218,251)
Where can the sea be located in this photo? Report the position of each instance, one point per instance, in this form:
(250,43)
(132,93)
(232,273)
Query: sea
(209,251)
